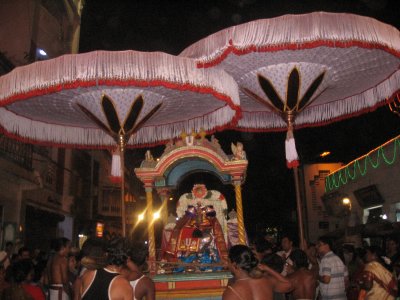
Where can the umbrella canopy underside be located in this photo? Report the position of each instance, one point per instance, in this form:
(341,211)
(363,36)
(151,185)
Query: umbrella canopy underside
(40,102)
(359,58)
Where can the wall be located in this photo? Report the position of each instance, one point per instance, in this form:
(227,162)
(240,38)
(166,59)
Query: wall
(317,220)
(379,167)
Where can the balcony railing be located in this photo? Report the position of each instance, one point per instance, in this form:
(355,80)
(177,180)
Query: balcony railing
(16,151)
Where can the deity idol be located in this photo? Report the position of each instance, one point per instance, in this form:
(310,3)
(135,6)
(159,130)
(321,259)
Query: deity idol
(198,235)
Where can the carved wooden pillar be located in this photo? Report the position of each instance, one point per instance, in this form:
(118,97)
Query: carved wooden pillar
(237,183)
(148,186)
(164,194)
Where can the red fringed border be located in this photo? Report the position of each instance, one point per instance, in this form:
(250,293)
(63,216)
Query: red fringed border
(322,123)
(110,82)
(120,82)
(293,46)
(27,140)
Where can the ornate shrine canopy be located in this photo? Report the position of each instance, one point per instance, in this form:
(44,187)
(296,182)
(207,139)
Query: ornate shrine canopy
(191,154)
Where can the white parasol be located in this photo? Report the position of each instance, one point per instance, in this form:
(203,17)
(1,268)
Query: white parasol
(305,70)
(102,99)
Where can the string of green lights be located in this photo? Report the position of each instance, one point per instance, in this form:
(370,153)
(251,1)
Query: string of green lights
(360,166)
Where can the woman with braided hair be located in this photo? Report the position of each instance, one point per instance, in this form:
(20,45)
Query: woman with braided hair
(249,282)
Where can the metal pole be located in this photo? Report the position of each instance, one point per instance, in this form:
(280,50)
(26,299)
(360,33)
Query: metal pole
(122,155)
(290,117)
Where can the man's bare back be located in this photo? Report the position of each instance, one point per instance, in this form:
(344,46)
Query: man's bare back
(59,269)
(250,289)
(304,282)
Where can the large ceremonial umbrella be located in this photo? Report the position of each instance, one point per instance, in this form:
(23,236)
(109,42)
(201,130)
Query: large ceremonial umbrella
(305,70)
(104,99)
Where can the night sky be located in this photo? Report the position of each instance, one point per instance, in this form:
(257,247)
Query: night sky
(171,26)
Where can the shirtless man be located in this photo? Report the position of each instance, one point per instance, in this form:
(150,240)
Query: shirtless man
(304,281)
(107,283)
(249,283)
(57,271)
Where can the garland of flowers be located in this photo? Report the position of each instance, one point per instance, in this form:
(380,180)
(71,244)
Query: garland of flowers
(359,167)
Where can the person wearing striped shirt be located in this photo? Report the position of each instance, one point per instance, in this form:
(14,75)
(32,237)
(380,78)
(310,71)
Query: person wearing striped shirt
(333,274)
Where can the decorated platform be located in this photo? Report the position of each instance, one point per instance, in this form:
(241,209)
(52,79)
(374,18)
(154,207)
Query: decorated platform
(191,286)
(193,260)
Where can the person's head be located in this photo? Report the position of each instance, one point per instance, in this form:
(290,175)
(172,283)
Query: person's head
(137,254)
(93,253)
(9,247)
(116,252)
(349,253)
(20,271)
(323,245)
(312,249)
(360,254)
(299,258)
(24,253)
(270,238)
(274,261)
(62,246)
(373,253)
(392,245)
(287,243)
(262,247)
(72,262)
(242,259)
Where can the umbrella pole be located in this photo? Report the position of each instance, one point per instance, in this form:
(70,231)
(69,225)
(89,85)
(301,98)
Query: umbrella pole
(289,118)
(299,208)
(122,154)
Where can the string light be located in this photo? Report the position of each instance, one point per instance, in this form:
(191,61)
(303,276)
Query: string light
(359,167)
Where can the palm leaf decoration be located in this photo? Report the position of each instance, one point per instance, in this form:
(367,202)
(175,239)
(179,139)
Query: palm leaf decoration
(111,114)
(113,126)
(292,104)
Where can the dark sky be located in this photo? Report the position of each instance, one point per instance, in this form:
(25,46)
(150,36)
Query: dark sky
(171,26)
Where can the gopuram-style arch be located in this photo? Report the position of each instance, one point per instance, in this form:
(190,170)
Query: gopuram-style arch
(189,154)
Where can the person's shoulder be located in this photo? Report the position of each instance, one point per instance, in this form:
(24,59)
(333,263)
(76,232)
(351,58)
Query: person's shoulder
(370,266)
(122,284)
(57,258)
(121,288)
(263,281)
(88,274)
(147,281)
(121,280)
(230,293)
(308,274)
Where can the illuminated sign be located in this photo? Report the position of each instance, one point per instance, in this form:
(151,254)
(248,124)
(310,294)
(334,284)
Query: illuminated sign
(99,229)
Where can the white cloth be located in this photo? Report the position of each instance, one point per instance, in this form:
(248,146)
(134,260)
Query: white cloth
(56,292)
(133,284)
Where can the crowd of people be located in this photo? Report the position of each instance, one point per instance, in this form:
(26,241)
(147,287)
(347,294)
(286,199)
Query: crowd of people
(115,269)
(101,269)
(265,271)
